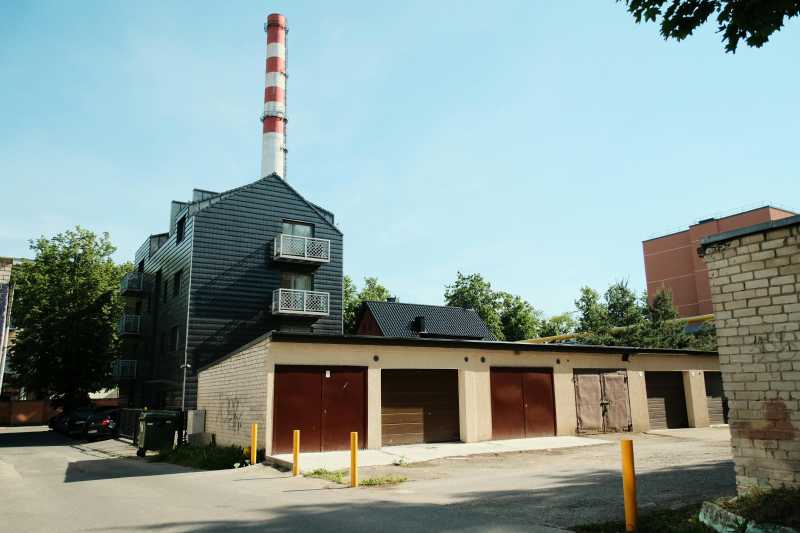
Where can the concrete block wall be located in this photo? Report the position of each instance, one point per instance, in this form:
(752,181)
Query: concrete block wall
(755,288)
(233,394)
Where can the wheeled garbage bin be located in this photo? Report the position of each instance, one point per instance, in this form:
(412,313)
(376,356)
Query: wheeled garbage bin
(156,431)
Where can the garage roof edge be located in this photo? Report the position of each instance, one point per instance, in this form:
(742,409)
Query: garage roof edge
(278,336)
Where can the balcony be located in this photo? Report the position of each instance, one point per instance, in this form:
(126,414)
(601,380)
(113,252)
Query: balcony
(301,249)
(130,325)
(132,283)
(124,369)
(300,303)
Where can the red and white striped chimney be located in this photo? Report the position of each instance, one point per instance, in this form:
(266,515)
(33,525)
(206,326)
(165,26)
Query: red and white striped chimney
(273,144)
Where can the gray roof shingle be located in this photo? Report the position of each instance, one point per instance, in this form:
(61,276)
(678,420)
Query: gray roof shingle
(397,319)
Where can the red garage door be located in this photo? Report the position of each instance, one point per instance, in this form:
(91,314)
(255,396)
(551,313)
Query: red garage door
(324,403)
(522,403)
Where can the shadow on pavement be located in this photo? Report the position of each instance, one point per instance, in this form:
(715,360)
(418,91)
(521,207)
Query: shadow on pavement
(40,437)
(568,500)
(96,469)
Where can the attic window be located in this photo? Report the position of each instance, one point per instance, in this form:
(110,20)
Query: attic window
(180,230)
(419,323)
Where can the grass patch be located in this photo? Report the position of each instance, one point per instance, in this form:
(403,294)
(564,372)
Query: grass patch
(381,481)
(779,506)
(683,520)
(337,476)
(343,477)
(203,457)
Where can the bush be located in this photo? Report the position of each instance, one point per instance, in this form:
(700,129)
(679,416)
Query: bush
(205,457)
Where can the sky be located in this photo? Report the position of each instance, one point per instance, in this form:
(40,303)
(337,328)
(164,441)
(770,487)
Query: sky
(534,142)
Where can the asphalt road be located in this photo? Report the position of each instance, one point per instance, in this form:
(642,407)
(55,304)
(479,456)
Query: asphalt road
(51,483)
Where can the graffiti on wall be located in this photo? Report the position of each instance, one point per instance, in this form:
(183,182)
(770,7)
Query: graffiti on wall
(229,412)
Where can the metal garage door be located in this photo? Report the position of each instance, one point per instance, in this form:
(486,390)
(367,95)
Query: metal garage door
(601,400)
(717,412)
(666,400)
(522,403)
(324,403)
(419,406)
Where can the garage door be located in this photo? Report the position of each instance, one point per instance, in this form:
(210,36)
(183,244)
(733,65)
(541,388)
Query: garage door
(324,403)
(522,403)
(716,404)
(666,400)
(419,406)
(602,401)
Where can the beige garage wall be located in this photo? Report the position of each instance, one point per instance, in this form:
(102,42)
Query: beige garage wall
(233,393)
(473,366)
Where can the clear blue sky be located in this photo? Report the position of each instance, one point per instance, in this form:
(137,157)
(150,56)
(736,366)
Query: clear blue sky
(537,143)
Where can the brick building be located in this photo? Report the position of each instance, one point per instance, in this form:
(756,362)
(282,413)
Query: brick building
(671,261)
(755,283)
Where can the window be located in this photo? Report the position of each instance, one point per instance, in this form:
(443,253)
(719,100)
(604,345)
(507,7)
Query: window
(298,229)
(176,282)
(166,290)
(140,268)
(293,280)
(180,229)
(175,338)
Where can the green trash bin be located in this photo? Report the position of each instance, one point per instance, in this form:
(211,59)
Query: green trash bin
(156,431)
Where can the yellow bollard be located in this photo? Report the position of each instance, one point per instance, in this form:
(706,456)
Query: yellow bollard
(253,443)
(296,452)
(354,459)
(629,486)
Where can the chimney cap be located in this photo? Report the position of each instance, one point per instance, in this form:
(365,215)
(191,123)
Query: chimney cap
(277,19)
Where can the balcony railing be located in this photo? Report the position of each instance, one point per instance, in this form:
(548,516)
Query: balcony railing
(132,282)
(130,325)
(304,303)
(124,369)
(302,249)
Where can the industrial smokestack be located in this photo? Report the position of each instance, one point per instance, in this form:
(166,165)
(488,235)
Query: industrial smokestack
(273,143)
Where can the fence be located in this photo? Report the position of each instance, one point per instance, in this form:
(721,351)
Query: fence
(129,423)
(25,412)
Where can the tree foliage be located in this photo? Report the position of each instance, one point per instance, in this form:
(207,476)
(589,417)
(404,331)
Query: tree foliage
(372,291)
(623,319)
(508,317)
(67,307)
(562,324)
(753,21)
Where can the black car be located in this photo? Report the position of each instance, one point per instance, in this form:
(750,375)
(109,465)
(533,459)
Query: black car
(103,423)
(58,422)
(76,421)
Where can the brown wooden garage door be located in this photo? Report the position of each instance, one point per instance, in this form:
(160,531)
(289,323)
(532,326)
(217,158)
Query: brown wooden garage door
(419,406)
(324,403)
(522,403)
(666,400)
(716,404)
(602,401)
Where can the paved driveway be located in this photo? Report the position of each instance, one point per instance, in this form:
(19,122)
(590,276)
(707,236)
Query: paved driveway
(51,483)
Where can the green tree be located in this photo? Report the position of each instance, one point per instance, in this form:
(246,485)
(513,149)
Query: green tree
(474,292)
(353,298)
(753,21)
(518,319)
(593,316)
(562,324)
(67,308)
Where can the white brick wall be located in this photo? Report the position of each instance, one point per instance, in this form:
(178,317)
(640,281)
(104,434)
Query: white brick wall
(755,288)
(234,395)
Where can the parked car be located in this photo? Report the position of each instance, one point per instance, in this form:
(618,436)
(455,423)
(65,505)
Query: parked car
(58,422)
(76,421)
(103,423)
